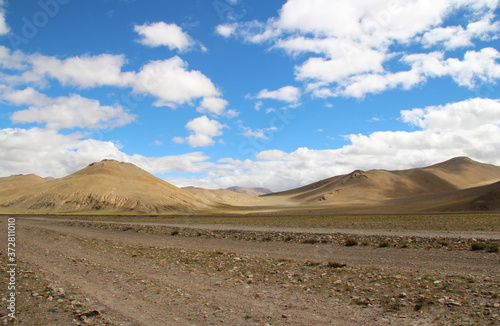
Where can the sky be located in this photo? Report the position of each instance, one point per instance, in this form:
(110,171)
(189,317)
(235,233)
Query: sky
(219,93)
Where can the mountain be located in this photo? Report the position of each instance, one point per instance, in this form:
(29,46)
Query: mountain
(250,191)
(224,196)
(107,185)
(16,183)
(482,198)
(378,185)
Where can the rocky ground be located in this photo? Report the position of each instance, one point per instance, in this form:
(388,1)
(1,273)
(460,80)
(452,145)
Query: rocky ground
(77,273)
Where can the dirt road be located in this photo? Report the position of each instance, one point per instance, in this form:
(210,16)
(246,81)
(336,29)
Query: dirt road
(148,279)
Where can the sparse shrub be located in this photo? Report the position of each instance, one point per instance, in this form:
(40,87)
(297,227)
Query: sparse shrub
(421,302)
(403,244)
(310,241)
(391,305)
(288,238)
(175,232)
(349,242)
(128,228)
(492,247)
(383,244)
(312,263)
(325,240)
(442,242)
(475,246)
(268,238)
(365,243)
(334,264)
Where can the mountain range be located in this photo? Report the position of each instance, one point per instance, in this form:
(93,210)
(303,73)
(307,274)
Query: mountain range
(109,186)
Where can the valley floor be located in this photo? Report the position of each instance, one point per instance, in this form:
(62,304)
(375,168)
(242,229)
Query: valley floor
(81,272)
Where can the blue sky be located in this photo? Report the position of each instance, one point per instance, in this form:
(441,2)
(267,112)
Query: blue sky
(251,93)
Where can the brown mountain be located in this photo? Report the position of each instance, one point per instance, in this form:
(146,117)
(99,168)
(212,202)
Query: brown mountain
(250,191)
(18,183)
(378,185)
(108,185)
(224,196)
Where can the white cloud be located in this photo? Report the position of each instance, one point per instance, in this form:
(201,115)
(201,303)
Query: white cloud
(225,30)
(168,80)
(258,133)
(337,70)
(4,29)
(347,47)
(469,128)
(453,37)
(476,68)
(163,34)
(85,71)
(12,60)
(258,105)
(178,140)
(465,115)
(171,82)
(214,105)
(203,130)
(22,150)
(287,94)
(66,112)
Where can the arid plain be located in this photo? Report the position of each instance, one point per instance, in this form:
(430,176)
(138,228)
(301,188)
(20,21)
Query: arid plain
(112,244)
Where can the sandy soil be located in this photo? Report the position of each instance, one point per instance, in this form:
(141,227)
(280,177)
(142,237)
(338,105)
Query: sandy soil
(134,278)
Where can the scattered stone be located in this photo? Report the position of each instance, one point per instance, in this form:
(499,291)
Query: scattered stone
(453,303)
(89,314)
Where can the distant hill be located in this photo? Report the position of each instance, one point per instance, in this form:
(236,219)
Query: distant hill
(224,196)
(18,183)
(377,185)
(250,191)
(459,184)
(107,185)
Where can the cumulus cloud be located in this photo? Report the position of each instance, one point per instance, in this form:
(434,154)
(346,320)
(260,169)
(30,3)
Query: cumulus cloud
(66,112)
(288,94)
(225,30)
(171,82)
(453,37)
(468,128)
(215,105)
(168,80)
(348,46)
(202,131)
(4,29)
(258,133)
(84,71)
(163,34)
(22,150)
(476,68)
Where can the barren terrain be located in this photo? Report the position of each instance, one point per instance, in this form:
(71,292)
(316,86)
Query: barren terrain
(82,272)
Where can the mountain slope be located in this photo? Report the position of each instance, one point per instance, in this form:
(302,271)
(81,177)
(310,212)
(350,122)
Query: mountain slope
(379,185)
(224,196)
(17,183)
(482,198)
(107,185)
(250,191)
